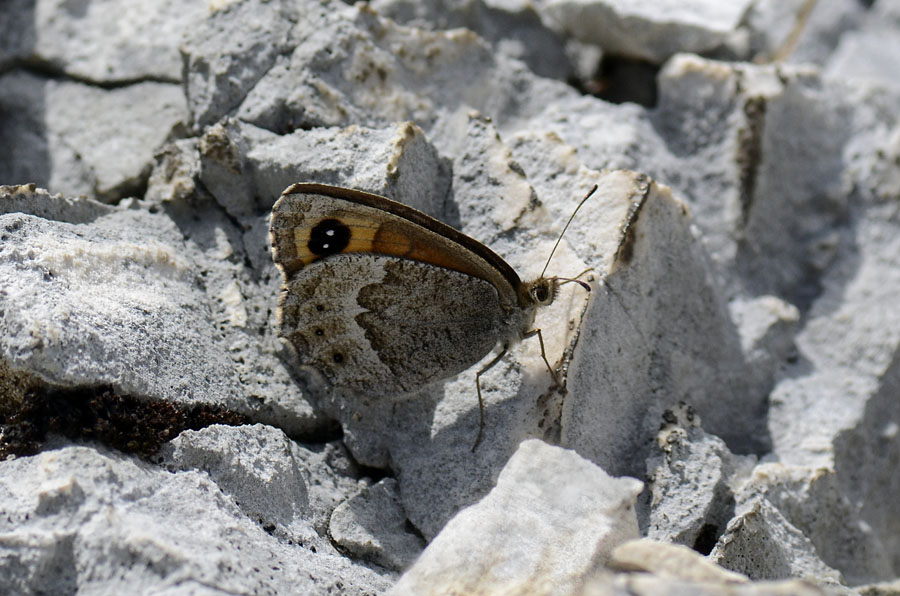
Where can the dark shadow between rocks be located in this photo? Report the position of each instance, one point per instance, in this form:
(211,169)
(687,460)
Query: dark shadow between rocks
(619,79)
(24,149)
(123,422)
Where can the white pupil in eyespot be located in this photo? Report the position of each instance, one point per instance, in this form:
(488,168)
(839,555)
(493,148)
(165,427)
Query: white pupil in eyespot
(329,232)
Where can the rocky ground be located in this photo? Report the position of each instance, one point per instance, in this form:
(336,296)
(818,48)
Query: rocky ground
(730,422)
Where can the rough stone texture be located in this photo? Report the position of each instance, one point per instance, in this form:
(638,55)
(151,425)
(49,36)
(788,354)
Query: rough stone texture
(108,41)
(75,295)
(691,483)
(81,139)
(552,517)
(836,406)
(81,518)
(222,67)
(801,32)
(647,31)
(514,28)
(346,65)
(117,297)
(244,167)
(254,465)
(767,326)
(738,350)
(653,585)
(801,497)
(372,526)
(619,395)
(866,55)
(762,544)
(670,561)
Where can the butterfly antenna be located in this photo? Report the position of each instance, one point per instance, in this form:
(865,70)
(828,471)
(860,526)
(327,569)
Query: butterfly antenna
(571,217)
(575,279)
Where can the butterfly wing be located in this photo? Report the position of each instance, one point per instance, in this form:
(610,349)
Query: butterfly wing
(306,214)
(377,325)
(379,297)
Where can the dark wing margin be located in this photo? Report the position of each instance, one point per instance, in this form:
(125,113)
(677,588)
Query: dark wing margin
(413,215)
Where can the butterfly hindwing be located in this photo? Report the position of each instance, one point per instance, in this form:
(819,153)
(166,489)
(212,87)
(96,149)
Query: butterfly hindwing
(377,324)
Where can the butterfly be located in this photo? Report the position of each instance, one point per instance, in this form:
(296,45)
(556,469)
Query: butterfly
(379,298)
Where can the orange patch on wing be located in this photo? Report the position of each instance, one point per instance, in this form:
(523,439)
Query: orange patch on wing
(389,240)
(386,238)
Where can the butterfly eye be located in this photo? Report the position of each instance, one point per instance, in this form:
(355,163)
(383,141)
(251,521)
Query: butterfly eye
(543,291)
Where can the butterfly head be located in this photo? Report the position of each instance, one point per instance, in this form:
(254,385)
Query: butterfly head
(541,291)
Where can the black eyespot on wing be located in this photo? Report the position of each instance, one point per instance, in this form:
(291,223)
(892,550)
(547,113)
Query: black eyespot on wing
(320,332)
(338,357)
(328,237)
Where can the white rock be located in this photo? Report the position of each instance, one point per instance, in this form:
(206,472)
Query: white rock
(254,465)
(87,140)
(331,477)
(761,544)
(645,584)
(670,561)
(347,65)
(242,165)
(832,407)
(644,348)
(114,40)
(551,518)
(513,27)
(870,55)
(115,302)
(101,522)
(801,495)
(782,272)
(372,526)
(691,481)
(226,54)
(767,326)
(800,32)
(647,30)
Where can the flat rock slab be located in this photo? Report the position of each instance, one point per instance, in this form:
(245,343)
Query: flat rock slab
(648,31)
(551,518)
(94,520)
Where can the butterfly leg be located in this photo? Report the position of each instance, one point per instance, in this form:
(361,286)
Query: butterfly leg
(540,337)
(486,368)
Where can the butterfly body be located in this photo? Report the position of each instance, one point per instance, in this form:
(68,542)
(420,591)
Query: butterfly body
(379,298)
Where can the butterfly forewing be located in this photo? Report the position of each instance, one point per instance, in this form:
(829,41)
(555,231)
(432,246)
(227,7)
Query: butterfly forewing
(380,298)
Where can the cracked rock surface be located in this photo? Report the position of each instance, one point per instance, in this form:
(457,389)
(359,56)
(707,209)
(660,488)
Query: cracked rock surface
(728,414)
